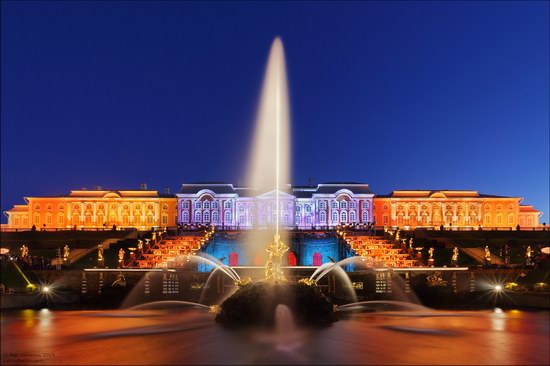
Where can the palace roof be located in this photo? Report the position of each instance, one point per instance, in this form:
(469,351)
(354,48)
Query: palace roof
(444,193)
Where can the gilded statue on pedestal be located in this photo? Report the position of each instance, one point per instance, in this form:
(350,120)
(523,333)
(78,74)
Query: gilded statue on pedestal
(276,250)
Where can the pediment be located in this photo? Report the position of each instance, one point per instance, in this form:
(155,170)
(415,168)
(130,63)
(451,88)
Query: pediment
(273,193)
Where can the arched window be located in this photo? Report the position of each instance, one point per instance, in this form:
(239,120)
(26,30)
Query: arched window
(385,207)
(60,219)
(150,219)
(164,207)
(88,219)
(291,258)
(241,208)
(487,219)
(206,205)
(164,219)
(317,259)
(215,205)
(185,204)
(308,208)
(334,217)
(233,259)
(322,205)
(49,218)
(185,216)
(365,216)
(308,220)
(137,220)
(510,218)
(125,220)
(385,219)
(242,220)
(285,219)
(365,205)
(215,217)
(100,219)
(499,219)
(198,217)
(323,217)
(510,207)
(334,205)
(206,216)
(352,216)
(298,219)
(61,207)
(344,217)
(198,204)
(37,207)
(499,207)
(227,205)
(49,207)
(344,204)
(227,217)
(352,205)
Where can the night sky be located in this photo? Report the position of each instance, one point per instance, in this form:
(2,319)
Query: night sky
(444,95)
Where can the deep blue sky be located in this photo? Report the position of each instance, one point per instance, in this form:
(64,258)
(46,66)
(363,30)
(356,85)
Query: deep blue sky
(399,95)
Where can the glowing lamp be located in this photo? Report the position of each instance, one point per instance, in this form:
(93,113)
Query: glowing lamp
(498,288)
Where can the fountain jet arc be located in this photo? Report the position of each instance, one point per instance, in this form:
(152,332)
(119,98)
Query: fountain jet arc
(269,166)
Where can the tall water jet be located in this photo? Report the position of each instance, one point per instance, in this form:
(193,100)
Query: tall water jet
(269,166)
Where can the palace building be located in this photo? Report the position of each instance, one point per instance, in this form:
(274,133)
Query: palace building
(141,209)
(226,206)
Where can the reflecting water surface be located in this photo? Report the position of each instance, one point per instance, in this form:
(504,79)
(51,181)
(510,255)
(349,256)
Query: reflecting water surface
(190,336)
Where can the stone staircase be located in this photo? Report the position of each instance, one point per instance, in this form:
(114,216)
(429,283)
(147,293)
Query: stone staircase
(383,251)
(172,251)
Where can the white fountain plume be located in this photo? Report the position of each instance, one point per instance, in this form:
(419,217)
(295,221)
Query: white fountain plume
(269,166)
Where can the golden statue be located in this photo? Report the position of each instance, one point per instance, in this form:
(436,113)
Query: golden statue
(431,252)
(66,253)
(154,237)
(397,235)
(276,250)
(487,254)
(454,258)
(24,251)
(140,245)
(411,244)
(100,252)
(121,255)
(528,252)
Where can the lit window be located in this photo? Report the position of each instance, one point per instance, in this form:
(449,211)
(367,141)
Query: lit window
(206,217)
(487,219)
(164,207)
(322,205)
(227,216)
(207,204)
(334,205)
(227,205)
(365,216)
(334,216)
(344,204)
(344,216)
(241,220)
(185,204)
(185,216)
(323,217)
(385,219)
(215,205)
(352,216)
(215,217)
(352,205)
(198,216)
(308,208)
(198,204)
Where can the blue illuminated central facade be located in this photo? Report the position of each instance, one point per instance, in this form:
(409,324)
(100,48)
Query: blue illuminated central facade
(305,249)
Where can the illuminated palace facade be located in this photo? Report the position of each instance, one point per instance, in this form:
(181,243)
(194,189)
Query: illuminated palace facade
(226,206)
